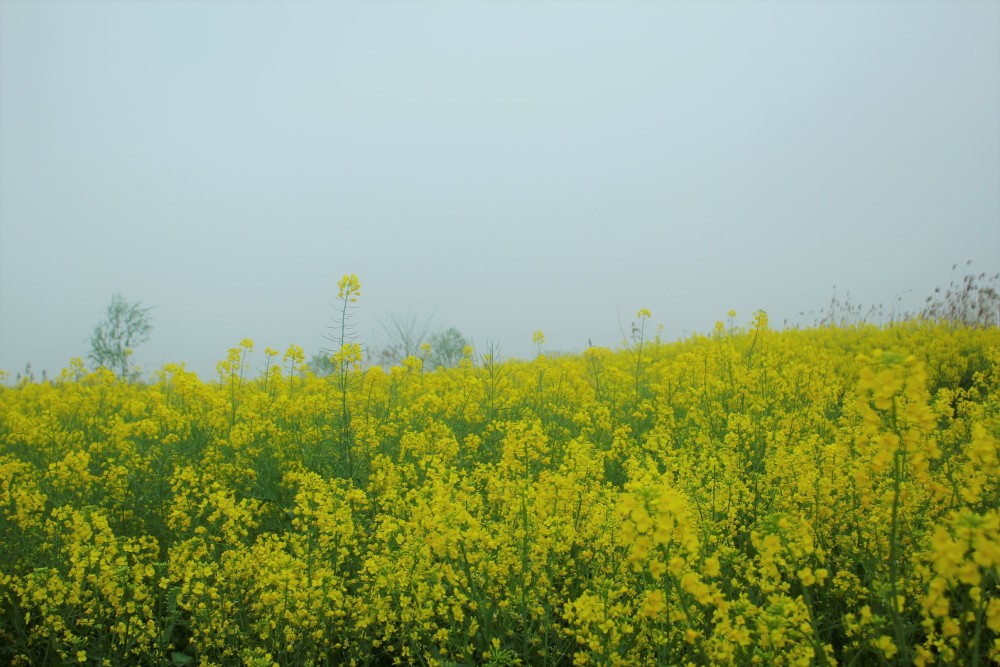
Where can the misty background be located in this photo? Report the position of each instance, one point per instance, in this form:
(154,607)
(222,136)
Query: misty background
(506,167)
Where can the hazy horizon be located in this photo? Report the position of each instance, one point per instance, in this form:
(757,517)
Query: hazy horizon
(506,167)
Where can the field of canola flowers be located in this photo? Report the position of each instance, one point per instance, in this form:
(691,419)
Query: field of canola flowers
(820,496)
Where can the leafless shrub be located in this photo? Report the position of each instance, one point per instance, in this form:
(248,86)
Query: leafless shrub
(973,302)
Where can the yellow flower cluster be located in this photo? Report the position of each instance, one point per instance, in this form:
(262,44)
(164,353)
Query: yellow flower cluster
(824,496)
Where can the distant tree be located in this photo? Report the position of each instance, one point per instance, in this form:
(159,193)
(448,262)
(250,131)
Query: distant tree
(322,364)
(446,348)
(403,337)
(125,327)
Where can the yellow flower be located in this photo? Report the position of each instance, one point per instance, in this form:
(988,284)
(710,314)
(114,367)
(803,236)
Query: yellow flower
(349,288)
(887,645)
(993,614)
(653,603)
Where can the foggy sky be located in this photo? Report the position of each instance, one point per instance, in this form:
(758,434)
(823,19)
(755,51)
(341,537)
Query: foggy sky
(507,167)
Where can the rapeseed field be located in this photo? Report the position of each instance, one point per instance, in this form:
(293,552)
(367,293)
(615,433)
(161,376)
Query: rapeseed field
(823,496)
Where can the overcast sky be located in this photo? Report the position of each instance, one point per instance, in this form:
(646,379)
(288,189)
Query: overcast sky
(506,166)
